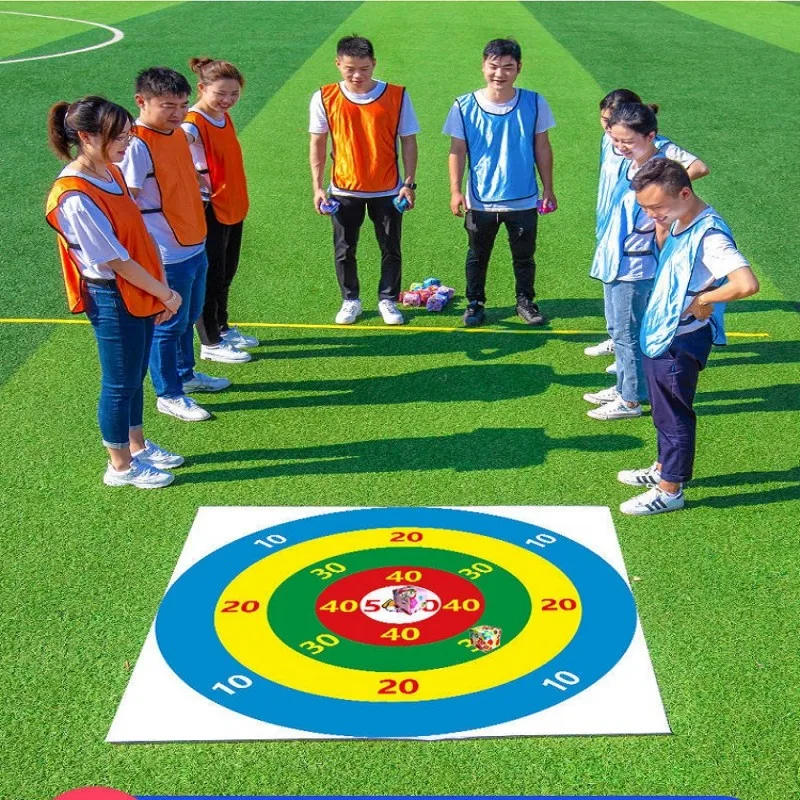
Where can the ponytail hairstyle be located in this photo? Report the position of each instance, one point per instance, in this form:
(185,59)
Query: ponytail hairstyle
(91,114)
(636,116)
(209,70)
(613,100)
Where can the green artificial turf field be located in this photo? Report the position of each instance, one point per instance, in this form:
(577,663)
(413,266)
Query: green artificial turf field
(369,416)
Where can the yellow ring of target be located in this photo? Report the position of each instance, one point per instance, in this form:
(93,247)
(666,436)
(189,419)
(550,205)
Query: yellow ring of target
(250,639)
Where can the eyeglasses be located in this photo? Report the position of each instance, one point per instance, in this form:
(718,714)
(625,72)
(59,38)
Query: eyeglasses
(123,138)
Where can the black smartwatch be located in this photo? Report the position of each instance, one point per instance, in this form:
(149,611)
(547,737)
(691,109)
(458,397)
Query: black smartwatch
(412,186)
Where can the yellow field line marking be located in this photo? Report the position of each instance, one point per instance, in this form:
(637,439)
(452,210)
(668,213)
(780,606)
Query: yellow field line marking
(385,328)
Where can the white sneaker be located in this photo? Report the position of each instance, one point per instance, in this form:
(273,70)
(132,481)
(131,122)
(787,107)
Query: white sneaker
(238,339)
(205,383)
(139,474)
(649,476)
(603,396)
(605,348)
(617,409)
(157,456)
(611,369)
(224,352)
(185,408)
(349,312)
(653,501)
(389,312)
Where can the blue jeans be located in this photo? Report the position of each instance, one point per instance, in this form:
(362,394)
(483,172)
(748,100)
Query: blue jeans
(625,302)
(172,356)
(123,344)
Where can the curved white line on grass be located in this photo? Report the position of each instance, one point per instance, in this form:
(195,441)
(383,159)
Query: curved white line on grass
(118,35)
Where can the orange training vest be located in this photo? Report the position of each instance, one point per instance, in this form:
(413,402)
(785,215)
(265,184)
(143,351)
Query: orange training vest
(364,139)
(129,228)
(225,168)
(173,170)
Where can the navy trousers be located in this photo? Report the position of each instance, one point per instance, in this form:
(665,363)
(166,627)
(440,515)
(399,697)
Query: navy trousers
(672,384)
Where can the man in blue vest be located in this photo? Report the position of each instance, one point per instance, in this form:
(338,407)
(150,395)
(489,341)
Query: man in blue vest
(502,132)
(699,270)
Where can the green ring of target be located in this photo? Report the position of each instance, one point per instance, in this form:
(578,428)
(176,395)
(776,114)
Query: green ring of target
(292,614)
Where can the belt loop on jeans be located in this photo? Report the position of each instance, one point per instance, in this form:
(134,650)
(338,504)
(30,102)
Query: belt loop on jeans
(100,281)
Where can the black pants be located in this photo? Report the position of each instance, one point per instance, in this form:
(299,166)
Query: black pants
(347,223)
(223,243)
(672,384)
(482,228)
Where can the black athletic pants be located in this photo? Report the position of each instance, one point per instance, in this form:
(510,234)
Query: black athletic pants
(223,243)
(482,228)
(347,222)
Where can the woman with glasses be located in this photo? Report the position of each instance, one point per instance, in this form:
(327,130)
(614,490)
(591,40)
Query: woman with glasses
(113,273)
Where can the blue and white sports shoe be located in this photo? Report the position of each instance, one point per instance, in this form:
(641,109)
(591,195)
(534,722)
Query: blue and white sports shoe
(235,337)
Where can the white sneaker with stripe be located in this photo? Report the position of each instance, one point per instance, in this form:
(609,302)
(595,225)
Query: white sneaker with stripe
(653,501)
(649,476)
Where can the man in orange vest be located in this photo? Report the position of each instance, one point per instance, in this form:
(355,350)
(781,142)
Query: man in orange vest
(364,118)
(160,174)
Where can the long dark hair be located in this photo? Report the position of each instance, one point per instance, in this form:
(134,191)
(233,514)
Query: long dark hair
(91,114)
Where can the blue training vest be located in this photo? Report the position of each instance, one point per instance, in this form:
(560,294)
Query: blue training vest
(676,260)
(502,164)
(611,166)
(616,224)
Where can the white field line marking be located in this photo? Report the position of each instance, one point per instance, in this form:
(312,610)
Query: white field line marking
(118,36)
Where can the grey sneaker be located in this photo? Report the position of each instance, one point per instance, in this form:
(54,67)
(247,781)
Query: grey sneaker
(640,477)
(140,475)
(611,369)
(157,456)
(653,501)
(205,383)
(185,408)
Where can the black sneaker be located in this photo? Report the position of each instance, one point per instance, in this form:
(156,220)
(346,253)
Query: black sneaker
(529,311)
(474,315)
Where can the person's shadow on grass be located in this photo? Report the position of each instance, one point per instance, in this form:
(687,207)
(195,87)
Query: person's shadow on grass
(481,449)
(780,494)
(780,397)
(438,385)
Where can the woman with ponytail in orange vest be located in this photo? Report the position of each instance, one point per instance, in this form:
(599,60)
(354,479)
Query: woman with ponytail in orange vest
(112,272)
(218,160)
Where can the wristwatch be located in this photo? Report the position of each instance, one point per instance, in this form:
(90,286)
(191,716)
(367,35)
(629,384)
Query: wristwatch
(411,186)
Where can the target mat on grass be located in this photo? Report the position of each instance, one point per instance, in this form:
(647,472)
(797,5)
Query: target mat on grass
(295,623)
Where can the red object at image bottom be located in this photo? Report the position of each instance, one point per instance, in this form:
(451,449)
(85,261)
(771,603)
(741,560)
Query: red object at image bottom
(95,793)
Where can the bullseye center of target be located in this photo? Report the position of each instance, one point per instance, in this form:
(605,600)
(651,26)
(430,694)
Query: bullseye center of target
(398,606)
(380,605)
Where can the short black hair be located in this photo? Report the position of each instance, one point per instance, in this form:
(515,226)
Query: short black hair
(503,47)
(355,47)
(638,117)
(159,81)
(669,175)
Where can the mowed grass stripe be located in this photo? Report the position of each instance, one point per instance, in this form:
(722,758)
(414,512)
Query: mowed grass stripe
(712,118)
(774,23)
(287,269)
(169,35)
(19,35)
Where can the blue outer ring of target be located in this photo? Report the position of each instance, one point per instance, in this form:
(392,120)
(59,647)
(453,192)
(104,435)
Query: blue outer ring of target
(189,644)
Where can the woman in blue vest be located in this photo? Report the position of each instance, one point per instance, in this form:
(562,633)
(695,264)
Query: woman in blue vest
(699,271)
(611,161)
(502,131)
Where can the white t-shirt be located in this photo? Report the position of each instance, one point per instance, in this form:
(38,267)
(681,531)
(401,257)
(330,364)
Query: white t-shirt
(137,167)
(89,229)
(716,258)
(454,126)
(199,151)
(318,123)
